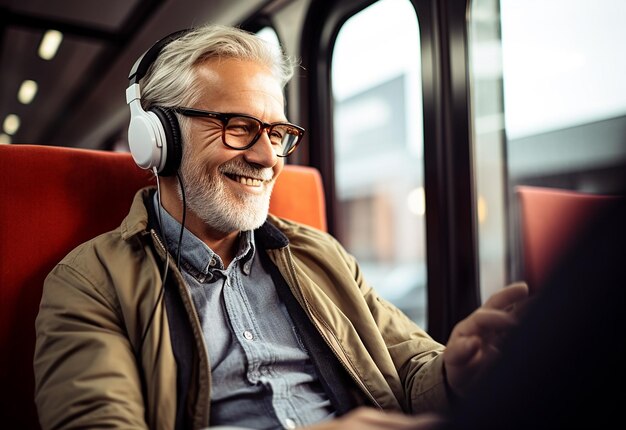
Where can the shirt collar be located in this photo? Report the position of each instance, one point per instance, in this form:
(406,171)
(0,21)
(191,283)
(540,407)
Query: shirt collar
(195,254)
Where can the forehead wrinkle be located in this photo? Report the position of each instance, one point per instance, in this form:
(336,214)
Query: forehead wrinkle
(255,93)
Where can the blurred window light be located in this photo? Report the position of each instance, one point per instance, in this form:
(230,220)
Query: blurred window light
(4,138)
(27,91)
(50,44)
(11,124)
(481,209)
(416,201)
(570,61)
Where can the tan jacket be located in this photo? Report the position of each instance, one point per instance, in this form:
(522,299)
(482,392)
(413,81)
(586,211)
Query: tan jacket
(91,370)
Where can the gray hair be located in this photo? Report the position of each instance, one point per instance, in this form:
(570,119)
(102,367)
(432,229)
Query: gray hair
(172,80)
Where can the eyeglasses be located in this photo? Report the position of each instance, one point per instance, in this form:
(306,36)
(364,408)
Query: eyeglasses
(240,131)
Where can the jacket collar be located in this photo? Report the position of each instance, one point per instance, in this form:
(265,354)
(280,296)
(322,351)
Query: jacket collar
(268,236)
(136,222)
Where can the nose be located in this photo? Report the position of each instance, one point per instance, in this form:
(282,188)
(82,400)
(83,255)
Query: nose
(262,152)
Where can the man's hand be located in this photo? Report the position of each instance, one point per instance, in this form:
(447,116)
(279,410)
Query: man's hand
(474,343)
(364,418)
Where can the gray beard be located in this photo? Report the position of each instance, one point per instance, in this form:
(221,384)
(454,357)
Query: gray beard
(214,203)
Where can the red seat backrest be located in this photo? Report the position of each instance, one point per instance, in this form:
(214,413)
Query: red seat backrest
(51,200)
(299,196)
(551,221)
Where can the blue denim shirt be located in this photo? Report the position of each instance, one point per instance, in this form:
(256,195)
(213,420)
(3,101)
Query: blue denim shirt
(262,376)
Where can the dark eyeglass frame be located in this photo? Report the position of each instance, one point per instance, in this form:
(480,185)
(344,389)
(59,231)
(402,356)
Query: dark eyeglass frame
(225,117)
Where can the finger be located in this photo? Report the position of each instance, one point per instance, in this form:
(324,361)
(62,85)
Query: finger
(398,421)
(430,421)
(484,321)
(370,419)
(519,309)
(508,296)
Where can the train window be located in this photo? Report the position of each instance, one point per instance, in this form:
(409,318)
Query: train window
(378,152)
(549,109)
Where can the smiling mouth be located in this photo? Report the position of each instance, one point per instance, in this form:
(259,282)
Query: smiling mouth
(245,180)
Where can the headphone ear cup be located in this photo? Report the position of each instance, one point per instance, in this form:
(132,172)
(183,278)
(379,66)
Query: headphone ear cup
(173,139)
(146,138)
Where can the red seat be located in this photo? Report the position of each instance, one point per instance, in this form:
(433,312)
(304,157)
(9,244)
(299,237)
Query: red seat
(51,200)
(551,220)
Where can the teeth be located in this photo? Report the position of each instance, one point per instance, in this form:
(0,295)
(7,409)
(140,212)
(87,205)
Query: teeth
(248,181)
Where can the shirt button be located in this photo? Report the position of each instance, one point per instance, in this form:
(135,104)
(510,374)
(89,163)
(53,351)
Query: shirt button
(213,262)
(290,424)
(248,335)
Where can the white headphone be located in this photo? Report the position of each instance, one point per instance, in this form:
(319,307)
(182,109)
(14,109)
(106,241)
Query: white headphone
(153,136)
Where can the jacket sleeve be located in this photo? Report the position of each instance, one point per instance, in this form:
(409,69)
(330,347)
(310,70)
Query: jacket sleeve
(86,374)
(416,356)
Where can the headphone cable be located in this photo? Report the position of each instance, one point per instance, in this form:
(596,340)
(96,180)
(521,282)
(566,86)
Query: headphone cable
(167,253)
(182,226)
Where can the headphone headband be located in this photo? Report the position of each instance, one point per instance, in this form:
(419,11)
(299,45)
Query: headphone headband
(143,63)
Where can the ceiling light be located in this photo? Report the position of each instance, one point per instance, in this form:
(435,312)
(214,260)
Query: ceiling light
(49,44)
(4,138)
(11,124)
(27,91)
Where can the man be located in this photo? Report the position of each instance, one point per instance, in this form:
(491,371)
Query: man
(202,310)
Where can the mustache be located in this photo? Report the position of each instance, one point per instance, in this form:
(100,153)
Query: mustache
(239,167)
